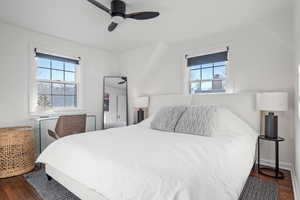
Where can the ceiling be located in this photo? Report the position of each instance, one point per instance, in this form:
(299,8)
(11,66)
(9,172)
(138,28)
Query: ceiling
(79,21)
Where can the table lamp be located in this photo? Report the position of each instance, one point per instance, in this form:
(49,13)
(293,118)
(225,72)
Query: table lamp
(140,103)
(271,102)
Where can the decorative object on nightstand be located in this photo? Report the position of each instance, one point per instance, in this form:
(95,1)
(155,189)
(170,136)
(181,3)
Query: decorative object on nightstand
(141,103)
(278,173)
(270,102)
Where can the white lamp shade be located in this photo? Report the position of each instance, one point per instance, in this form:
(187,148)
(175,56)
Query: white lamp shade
(141,102)
(272,101)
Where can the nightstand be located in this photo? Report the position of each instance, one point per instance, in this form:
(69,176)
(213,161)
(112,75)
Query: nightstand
(276,171)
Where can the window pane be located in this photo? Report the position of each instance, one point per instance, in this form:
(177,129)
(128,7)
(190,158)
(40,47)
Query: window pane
(70,101)
(58,101)
(206,85)
(44,100)
(219,72)
(58,88)
(57,65)
(70,76)
(207,73)
(218,84)
(207,65)
(43,74)
(195,75)
(57,75)
(195,87)
(70,89)
(196,67)
(220,63)
(70,67)
(42,62)
(44,88)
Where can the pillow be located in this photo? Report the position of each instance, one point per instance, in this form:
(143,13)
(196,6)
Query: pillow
(146,123)
(167,118)
(198,120)
(231,123)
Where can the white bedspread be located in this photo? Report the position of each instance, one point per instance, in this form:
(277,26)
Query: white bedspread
(137,163)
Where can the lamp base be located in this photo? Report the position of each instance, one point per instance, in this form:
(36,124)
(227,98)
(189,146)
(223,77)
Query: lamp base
(271,126)
(140,115)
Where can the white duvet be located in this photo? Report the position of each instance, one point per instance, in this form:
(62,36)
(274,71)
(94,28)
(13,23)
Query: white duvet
(138,163)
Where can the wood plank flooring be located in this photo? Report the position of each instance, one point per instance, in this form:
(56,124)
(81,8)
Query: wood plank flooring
(17,188)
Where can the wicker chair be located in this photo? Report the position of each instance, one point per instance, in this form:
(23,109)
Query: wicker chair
(17,151)
(68,125)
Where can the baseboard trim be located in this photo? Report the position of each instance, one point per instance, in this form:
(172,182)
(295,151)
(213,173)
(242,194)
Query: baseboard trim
(282,165)
(295,184)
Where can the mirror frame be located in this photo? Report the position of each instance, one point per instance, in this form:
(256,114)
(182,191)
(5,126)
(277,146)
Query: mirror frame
(103,94)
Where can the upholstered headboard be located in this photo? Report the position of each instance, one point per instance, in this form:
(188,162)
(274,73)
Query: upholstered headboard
(242,104)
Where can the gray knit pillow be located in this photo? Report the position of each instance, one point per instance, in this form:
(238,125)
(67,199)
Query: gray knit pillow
(198,120)
(167,118)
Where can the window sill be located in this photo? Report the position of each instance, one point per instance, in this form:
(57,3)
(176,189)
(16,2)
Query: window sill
(213,93)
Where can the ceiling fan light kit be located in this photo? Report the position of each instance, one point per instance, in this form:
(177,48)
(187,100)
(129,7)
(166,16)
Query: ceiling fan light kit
(118,13)
(117,19)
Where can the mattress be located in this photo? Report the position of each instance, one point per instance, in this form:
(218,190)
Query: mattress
(139,163)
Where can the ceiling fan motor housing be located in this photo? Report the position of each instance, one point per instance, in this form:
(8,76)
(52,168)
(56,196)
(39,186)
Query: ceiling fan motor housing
(118,8)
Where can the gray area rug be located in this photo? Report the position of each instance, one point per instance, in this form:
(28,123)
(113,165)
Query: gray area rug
(48,190)
(255,188)
(259,189)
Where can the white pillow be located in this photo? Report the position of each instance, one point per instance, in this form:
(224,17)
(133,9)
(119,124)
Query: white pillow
(167,118)
(198,120)
(230,123)
(147,122)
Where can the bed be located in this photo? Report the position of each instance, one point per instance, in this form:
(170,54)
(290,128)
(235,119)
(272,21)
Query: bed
(139,163)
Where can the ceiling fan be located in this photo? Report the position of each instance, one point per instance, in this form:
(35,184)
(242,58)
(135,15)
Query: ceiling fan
(118,13)
(124,80)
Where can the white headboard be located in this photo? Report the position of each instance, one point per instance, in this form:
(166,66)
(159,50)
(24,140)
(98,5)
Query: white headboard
(242,104)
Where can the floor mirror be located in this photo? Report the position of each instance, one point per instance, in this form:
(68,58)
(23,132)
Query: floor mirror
(115,102)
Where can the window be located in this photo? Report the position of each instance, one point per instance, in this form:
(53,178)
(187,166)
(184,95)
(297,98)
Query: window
(207,73)
(56,81)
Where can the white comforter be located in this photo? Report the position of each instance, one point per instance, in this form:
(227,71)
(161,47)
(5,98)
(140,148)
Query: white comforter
(137,163)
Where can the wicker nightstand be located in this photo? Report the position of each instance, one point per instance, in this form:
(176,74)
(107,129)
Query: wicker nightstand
(17,153)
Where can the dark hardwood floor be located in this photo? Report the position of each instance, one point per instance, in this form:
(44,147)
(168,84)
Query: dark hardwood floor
(17,188)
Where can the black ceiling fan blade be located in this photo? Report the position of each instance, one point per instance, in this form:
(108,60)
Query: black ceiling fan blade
(112,26)
(99,5)
(142,15)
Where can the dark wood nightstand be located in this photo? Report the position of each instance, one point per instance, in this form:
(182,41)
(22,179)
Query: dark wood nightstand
(276,171)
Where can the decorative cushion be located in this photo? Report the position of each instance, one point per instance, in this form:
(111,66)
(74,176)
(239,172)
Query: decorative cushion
(167,118)
(198,120)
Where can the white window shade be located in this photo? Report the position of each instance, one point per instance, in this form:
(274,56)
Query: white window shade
(272,101)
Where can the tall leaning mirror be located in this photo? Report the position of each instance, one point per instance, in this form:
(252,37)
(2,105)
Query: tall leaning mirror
(115,102)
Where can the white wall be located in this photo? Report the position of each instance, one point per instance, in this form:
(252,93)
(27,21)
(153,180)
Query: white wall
(15,55)
(297,97)
(260,60)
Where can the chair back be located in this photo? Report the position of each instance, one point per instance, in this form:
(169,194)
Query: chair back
(70,124)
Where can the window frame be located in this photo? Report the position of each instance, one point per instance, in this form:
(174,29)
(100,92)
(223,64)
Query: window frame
(33,86)
(64,82)
(208,80)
